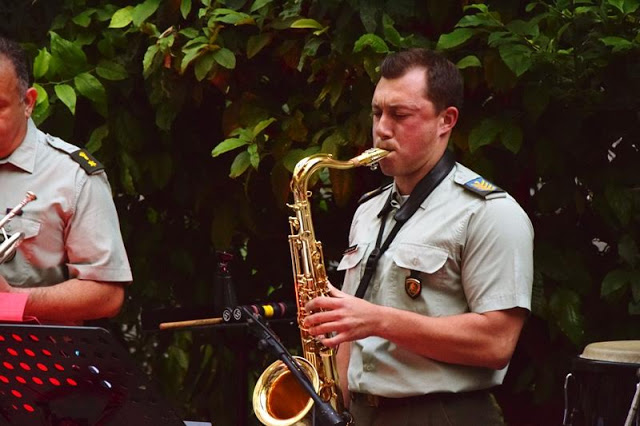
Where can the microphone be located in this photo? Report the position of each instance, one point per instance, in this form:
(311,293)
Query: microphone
(271,310)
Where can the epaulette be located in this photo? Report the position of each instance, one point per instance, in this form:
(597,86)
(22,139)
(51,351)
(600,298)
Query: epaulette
(484,188)
(81,156)
(369,195)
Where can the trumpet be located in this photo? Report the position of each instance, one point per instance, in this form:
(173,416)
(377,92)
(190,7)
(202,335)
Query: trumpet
(11,243)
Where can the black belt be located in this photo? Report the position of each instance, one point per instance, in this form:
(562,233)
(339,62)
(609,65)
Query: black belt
(385,402)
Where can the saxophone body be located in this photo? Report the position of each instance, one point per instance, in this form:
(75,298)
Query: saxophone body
(278,400)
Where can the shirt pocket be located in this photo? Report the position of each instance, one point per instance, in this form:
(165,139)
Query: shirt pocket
(29,227)
(419,257)
(353,258)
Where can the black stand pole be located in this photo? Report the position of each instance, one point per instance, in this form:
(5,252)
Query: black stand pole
(324,412)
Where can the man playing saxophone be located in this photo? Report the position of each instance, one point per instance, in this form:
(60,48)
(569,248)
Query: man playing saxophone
(72,263)
(441,262)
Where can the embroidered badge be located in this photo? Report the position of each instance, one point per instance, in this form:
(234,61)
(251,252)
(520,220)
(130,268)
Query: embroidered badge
(86,161)
(481,186)
(413,285)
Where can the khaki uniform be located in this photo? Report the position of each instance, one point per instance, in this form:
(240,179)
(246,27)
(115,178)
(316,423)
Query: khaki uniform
(472,254)
(71,229)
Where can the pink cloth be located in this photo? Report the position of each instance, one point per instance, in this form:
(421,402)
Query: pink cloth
(12,306)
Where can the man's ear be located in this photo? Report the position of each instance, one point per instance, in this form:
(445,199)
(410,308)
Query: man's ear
(448,119)
(30,101)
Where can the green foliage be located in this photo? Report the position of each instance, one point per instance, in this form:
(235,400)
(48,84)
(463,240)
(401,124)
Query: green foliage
(201,108)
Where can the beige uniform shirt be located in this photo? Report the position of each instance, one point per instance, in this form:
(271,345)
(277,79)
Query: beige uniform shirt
(472,255)
(72,229)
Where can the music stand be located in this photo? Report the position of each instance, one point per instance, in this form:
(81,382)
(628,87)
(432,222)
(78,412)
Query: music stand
(74,376)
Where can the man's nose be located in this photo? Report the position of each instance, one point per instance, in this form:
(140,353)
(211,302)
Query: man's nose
(382,127)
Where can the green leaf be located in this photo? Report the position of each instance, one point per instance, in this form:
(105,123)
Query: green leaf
(240,164)
(565,306)
(83,19)
(307,23)
(484,134)
(67,95)
(478,20)
(143,11)
(41,63)
(185,8)
(147,61)
(517,57)
(373,41)
(43,96)
(524,28)
(478,6)
(617,43)
(191,54)
(96,138)
(511,137)
(71,56)
(122,17)
(614,281)
(257,42)
(259,4)
(618,4)
(229,145)
(110,70)
(229,16)
(225,58)
(262,125)
(630,6)
(454,38)
(254,155)
(90,87)
(204,65)
(628,250)
(468,62)
(390,33)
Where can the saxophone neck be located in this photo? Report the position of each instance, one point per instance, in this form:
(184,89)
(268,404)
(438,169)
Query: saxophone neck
(309,165)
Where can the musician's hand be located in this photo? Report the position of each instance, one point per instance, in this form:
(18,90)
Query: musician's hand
(349,317)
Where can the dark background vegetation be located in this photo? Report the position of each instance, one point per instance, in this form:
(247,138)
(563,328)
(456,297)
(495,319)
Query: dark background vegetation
(199,109)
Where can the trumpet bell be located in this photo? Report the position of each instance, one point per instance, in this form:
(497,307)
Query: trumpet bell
(9,246)
(278,398)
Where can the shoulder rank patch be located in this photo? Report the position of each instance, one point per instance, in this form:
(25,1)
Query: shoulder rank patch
(369,195)
(482,187)
(87,161)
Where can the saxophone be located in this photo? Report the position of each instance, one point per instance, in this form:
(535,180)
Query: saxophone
(278,399)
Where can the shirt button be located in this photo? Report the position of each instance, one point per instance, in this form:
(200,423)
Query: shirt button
(368,367)
(414,261)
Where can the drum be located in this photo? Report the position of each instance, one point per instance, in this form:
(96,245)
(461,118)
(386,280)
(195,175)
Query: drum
(602,388)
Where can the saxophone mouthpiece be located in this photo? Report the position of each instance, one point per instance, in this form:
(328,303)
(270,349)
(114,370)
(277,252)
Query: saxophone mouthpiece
(370,158)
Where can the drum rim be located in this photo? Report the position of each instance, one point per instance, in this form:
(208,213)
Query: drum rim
(596,364)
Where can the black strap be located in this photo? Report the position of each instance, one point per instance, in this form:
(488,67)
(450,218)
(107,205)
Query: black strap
(422,190)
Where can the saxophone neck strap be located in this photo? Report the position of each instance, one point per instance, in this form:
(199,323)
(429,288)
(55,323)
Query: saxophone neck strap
(420,193)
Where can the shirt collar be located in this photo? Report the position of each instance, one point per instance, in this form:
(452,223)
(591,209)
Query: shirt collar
(24,157)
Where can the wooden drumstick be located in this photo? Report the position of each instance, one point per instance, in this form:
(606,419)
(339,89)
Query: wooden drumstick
(190,323)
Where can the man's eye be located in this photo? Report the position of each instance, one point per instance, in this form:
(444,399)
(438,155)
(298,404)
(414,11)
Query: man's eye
(376,113)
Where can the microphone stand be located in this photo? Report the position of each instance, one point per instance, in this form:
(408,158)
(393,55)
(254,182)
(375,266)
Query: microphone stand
(327,415)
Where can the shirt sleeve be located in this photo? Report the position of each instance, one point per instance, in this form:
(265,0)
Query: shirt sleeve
(94,245)
(497,261)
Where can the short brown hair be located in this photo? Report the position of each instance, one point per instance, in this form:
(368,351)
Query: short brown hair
(14,53)
(445,86)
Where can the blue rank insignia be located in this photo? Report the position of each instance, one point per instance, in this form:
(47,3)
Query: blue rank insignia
(482,187)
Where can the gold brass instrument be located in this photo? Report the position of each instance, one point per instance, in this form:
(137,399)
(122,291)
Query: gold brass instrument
(11,243)
(278,399)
